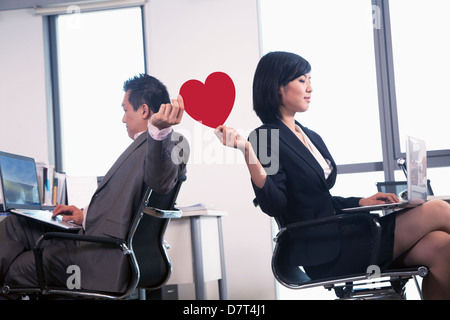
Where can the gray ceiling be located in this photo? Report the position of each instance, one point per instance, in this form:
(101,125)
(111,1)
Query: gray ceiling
(23,4)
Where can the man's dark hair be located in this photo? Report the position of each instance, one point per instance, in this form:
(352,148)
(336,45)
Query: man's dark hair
(275,70)
(146,89)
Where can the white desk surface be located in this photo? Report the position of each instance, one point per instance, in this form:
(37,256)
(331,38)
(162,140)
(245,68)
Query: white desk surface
(200,209)
(445,198)
(209,212)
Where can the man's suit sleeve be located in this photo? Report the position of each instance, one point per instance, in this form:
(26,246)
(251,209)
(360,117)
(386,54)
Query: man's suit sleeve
(165,161)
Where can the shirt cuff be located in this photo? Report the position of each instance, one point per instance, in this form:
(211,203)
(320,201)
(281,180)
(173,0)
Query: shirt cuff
(158,134)
(85,210)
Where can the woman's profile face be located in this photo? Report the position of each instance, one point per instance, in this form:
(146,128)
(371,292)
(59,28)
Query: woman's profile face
(296,95)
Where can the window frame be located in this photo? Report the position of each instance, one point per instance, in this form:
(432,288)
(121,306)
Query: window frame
(50,23)
(387,99)
(387,103)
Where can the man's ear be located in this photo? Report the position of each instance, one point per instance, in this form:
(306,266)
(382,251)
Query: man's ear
(146,112)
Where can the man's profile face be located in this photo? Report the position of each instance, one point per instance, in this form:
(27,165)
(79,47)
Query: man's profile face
(136,121)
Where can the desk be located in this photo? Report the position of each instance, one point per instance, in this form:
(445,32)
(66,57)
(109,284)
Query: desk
(197,252)
(443,198)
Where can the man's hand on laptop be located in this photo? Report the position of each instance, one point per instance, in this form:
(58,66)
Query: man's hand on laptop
(69,213)
(379,198)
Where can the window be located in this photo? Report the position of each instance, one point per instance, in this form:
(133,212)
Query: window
(353,77)
(97,52)
(357,184)
(421,65)
(421,68)
(336,37)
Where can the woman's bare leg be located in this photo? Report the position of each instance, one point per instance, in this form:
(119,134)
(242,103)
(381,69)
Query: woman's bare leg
(422,237)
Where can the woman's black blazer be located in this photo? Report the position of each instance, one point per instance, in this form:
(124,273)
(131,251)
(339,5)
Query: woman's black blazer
(296,189)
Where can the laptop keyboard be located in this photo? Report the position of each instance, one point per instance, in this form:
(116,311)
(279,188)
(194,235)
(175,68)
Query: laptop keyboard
(41,214)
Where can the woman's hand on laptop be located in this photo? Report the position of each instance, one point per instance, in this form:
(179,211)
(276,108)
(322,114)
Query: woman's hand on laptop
(379,198)
(69,213)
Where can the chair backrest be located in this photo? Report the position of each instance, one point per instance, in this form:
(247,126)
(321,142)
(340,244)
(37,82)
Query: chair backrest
(146,238)
(286,274)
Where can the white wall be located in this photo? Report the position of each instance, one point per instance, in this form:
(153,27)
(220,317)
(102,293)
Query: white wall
(186,40)
(190,40)
(23,103)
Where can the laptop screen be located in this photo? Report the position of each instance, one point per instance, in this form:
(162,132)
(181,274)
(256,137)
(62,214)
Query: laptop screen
(416,164)
(19,182)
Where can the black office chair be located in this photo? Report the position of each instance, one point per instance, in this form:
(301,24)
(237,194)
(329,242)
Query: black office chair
(144,247)
(372,284)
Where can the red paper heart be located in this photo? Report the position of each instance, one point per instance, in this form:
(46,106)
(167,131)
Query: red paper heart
(209,103)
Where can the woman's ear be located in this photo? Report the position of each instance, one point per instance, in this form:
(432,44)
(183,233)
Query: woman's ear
(280,92)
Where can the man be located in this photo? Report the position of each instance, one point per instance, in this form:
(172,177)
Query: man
(148,161)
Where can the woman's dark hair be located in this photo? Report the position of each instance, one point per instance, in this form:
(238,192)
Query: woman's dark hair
(146,89)
(275,70)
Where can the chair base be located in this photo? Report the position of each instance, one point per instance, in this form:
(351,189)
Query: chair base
(376,294)
(61,294)
(385,290)
(389,284)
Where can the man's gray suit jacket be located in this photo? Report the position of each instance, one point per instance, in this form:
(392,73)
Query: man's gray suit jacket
(146,162)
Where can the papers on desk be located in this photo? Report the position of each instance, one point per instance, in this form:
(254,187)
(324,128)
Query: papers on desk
(196,207)
(59,188)
(52,184)
(201,209)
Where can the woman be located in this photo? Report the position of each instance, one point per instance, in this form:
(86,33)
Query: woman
(298,190)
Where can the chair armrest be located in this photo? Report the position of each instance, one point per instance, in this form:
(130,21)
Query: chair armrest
(80,237)
(37,250)
(163,214)
(340,218)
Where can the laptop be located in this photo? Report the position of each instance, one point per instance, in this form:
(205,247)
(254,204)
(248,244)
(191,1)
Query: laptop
(20,190)
(417,183)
